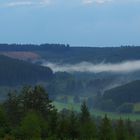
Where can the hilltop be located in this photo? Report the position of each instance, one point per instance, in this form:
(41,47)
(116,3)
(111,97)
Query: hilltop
(67,54)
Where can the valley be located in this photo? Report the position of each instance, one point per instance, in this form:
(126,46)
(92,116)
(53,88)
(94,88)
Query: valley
(49,86)
(93,79)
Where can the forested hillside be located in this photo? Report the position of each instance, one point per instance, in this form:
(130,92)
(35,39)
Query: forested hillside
(15,72)
(64,53)
(91,54)
(124,98)
(129,93)
(32,116)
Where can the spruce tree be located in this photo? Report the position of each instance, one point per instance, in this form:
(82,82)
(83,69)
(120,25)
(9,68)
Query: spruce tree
(129,130)
(120,130)
(36,99)
(63,130)
(87,125)
(13,108)
(85,115)
(73,126)
(4,126)
(105,130)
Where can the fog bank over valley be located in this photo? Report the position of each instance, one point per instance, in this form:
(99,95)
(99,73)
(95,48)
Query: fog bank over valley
(123,67)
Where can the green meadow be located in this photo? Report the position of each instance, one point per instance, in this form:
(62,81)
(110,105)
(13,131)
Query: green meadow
(95,112)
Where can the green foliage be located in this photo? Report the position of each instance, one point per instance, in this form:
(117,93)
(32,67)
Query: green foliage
(105,130)
(13,108)
(32,126)
(4,125)
(9,137)
(88,131)
(53,122)
(121,131)
(37,119)
(36,99)
(3,117)
(73,131)
(63,127)
(97,112)
(137,108)
(30,99)
(130,130)
(87,125)
(85,115)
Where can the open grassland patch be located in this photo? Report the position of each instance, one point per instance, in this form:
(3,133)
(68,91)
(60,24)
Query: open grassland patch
(96,112)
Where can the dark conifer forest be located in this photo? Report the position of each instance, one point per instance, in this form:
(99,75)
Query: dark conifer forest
(14,72)
(32,116)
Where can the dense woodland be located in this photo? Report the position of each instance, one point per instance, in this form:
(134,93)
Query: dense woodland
(32,116)
(121,99)
(15,72)
(66,54)
(124,97)
(118,94)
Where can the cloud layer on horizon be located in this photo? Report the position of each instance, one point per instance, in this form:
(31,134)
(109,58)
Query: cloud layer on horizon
(124,67)
(96,1)
(16,3)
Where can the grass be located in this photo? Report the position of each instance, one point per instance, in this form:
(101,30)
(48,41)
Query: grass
(137,107)
(115,116)
(95,112)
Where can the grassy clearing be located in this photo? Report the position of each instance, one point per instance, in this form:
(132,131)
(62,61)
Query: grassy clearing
(137,107)
(71,106)
(115,116)
(95,112)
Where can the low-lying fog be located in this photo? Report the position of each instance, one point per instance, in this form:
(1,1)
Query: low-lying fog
(123,67)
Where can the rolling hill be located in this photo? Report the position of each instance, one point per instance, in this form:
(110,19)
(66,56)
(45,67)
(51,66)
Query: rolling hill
(16,72)
(66,54)
(128,93)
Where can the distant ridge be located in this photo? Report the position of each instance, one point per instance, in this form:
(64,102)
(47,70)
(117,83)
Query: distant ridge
(62,53)
(30,47)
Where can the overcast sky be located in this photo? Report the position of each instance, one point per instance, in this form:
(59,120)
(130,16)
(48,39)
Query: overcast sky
(76,22)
